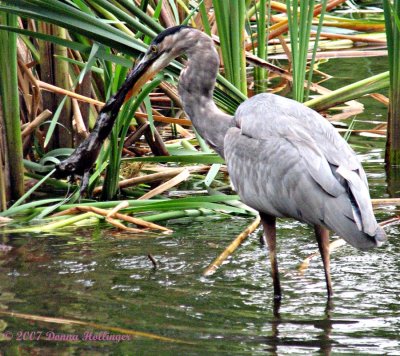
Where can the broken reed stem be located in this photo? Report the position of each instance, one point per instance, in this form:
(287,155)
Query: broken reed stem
(71,94)
(149,178)
(120,216)
(57,90)
(374,131)
(211,269)
(29,128)
(381,98)
(4,220)
(182,176)
(134,136)
(121,226)
(35,100)
(116,209)
(79,123)
(390,221)
(385,201)
(165,119)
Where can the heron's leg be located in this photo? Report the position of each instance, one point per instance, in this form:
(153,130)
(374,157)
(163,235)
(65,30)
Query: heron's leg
(322,235)
(269,223)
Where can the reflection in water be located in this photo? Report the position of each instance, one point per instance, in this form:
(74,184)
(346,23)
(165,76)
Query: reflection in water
(112,282)
(393,181)
(322,342)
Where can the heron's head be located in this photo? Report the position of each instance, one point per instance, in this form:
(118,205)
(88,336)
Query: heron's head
(168,45)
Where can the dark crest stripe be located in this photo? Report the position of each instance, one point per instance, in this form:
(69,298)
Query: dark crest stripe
(168,32)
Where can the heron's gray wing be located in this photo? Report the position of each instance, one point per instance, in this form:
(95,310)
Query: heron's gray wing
(346,175)
(266,114)
(277,177)
(318,144)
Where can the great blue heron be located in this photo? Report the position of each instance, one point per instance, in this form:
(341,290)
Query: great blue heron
(284,159)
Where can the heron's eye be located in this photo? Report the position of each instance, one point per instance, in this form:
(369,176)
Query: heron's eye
(153,49)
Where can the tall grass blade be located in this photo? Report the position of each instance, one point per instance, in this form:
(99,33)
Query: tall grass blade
(350,92)
(392,15)
(230,18)
(10,105)
(260,74)
(314,53)
(299,20)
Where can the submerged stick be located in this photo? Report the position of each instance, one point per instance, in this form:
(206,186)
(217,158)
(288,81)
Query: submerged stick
(332,246)
(339,243)
(64,321)
(153,260)
(391,221)
(211,269)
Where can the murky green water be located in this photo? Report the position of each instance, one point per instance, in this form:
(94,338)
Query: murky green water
(100,276)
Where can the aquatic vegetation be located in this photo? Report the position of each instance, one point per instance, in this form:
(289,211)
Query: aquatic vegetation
(94,52)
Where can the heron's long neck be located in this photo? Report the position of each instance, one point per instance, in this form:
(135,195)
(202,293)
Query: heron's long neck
(196,86)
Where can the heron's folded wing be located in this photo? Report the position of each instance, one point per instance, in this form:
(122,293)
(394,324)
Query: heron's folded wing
(280,176)
(266,115)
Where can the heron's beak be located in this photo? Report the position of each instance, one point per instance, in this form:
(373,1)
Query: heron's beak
(140,75)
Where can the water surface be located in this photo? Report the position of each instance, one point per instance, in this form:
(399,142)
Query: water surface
(101,276)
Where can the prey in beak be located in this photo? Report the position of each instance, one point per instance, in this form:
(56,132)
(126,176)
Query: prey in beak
(79,163)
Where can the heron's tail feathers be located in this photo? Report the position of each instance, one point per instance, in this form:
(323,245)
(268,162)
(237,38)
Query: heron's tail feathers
(360,201)
(358,225)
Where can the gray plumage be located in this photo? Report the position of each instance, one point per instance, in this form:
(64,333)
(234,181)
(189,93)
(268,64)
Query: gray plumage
(299,167)
(284,159)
